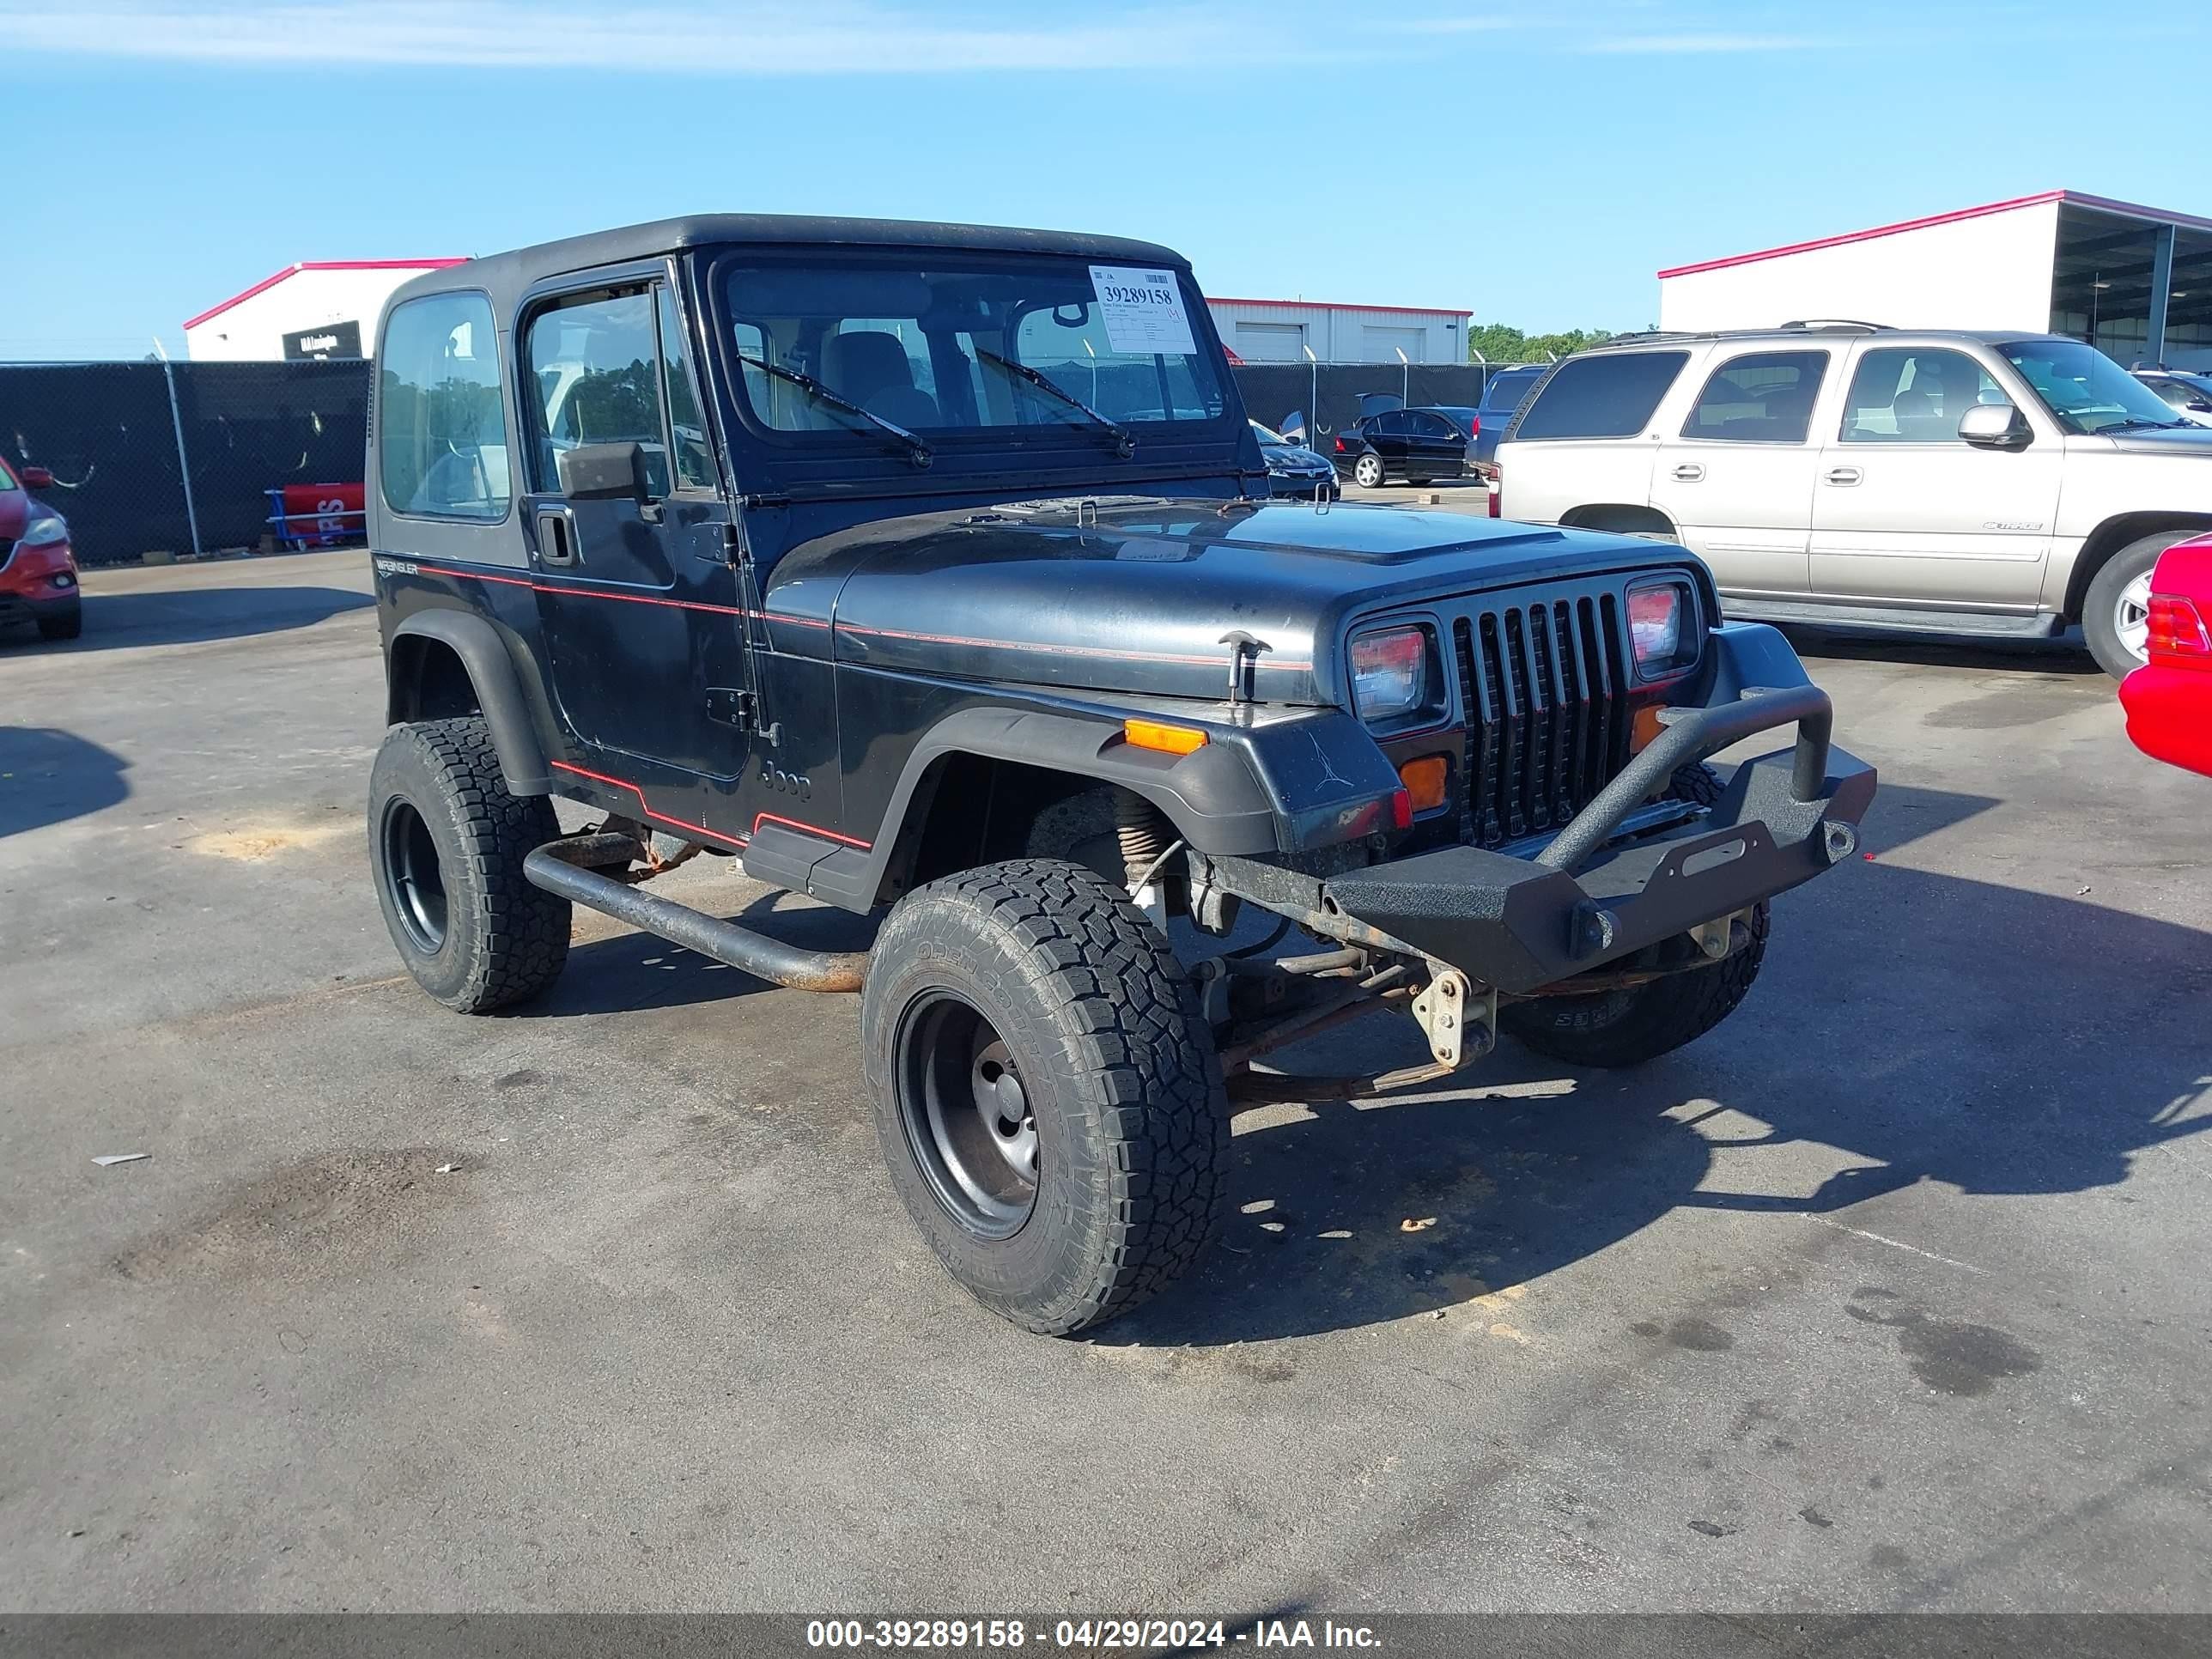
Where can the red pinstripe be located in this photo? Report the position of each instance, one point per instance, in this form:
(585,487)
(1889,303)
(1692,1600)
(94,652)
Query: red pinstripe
(663,817)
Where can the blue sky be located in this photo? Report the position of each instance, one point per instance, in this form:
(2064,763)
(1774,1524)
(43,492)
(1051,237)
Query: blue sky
(1534,161)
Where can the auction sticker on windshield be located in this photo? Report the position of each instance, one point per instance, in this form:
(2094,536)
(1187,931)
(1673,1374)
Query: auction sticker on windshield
(1142,310)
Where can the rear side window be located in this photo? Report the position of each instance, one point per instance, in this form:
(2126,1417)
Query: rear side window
(1505,391)
(1763,398)
(1608,397)
(441,426)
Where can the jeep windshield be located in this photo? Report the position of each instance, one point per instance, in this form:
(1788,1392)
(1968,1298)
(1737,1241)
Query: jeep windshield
(2086,390)
(981,352)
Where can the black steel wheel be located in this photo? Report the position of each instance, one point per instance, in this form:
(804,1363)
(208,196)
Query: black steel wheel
(966,1112)
(1046,1091)
(415,884)
(445,847)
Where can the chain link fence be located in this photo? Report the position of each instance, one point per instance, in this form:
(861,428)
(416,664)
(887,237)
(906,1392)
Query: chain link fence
(1330,395)
(179,458)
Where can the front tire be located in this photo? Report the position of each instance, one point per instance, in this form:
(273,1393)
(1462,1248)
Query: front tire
(63,625)
(1613,1029)
(1367,471)
(2116,610)
(1046,1091)
(445,844)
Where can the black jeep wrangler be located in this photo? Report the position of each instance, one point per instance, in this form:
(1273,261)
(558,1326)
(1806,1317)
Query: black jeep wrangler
(931,570)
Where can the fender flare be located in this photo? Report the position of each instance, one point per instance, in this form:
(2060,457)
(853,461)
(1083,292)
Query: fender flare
(1249,792)
(498,687)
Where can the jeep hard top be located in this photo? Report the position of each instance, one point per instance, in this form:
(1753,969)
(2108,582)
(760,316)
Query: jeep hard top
(931,570)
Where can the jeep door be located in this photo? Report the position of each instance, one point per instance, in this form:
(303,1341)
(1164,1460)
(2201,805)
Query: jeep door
(636,593)
(1736,478)
(1906,513)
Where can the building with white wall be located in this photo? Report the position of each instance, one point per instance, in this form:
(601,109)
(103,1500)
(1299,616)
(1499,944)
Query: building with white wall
(2135,282)
(318,308)
(1281,331)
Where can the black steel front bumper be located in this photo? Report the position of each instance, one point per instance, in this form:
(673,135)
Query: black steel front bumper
(1521,923)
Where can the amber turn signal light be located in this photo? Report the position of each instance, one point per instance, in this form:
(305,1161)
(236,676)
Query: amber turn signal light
(1168,739)
(1425,780)
(1644,730)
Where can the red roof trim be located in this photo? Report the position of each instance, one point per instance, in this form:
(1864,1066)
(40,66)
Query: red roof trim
(1954,217)
(1325,305)
(268,283)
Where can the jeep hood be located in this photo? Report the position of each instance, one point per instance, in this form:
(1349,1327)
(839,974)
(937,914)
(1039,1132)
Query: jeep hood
(1136,596)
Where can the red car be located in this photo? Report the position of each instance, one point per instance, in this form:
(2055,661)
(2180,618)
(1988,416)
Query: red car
(2169,699)
(38,571)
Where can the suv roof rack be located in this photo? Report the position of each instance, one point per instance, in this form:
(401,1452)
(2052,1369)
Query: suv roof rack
(1838,325)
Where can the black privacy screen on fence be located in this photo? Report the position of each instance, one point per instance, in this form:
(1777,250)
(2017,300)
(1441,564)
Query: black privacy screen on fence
(104,431)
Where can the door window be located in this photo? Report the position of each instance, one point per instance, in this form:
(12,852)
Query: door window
(441,424)
(1914,395)
(1610,396)
(1396,424)
(1435,426)
(1766,398)
(595,362)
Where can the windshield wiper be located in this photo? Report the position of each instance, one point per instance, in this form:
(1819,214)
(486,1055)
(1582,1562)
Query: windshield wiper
(2134,423)
(1125,442)
(916,451)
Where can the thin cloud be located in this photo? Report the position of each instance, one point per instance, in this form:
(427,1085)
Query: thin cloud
(766,39)
(1696,41)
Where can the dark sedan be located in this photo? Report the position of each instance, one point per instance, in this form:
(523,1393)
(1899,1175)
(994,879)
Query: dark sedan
(1294,470)
(1415,445)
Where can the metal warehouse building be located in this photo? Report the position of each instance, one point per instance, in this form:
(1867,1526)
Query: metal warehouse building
(2135,282)
(320,309)
(1283,331)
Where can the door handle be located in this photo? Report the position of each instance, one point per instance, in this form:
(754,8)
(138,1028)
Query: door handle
(556,536)
(1841,475)
(1689,472)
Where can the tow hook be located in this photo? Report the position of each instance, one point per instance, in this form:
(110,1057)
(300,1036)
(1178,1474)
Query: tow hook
(1461,1024)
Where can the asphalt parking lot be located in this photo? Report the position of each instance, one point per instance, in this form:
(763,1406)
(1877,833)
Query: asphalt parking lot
(1889,1294)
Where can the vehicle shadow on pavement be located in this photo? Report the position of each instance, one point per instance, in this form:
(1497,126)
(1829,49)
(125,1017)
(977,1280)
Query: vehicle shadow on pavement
(49,776)
(189,616)
(2064,659)
(633,971)
(1913,1029)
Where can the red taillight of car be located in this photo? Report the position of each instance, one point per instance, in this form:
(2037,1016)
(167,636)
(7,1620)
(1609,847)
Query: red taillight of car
(1473,426)
(2178,635)
(1497,494)
(1339,447)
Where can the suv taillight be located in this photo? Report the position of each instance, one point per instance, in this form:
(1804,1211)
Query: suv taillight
(1497,491)
(2178,637)
(1474,425)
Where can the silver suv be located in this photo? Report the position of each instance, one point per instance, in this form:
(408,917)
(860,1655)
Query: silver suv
(1843,474)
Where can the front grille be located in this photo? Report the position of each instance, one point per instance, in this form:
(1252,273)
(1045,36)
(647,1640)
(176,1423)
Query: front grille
(1545,687)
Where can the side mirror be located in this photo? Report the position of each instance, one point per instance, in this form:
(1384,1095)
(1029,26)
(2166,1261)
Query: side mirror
(602,472)
(36,477)
(1996,426)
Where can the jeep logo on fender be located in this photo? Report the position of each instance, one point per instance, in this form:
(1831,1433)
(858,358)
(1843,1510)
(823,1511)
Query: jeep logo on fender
(791,783)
